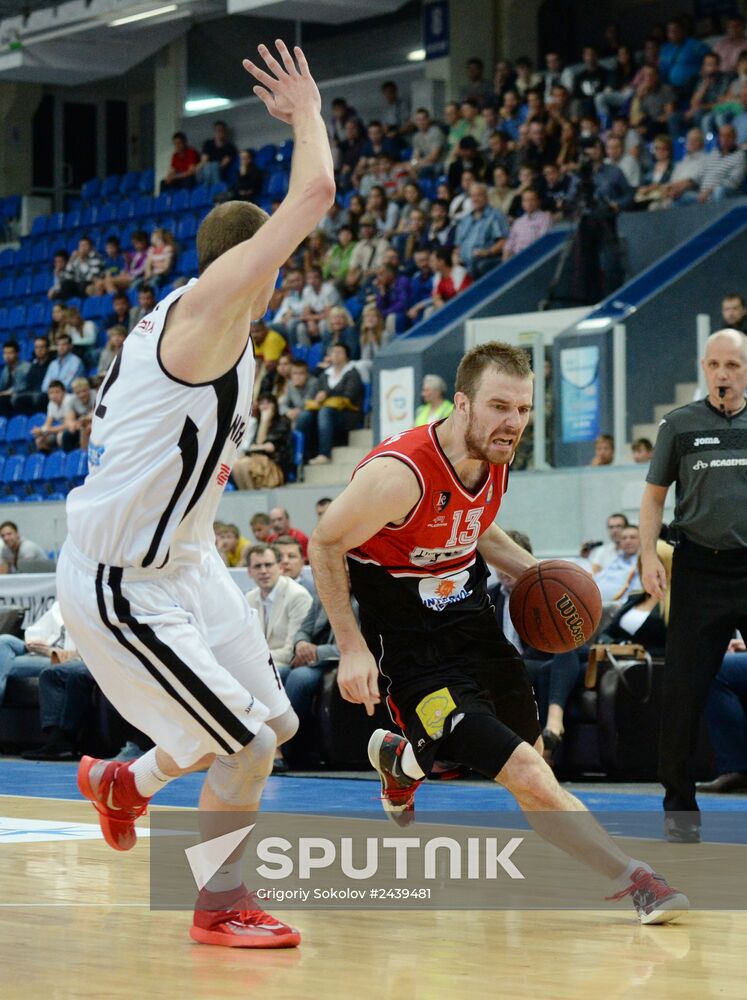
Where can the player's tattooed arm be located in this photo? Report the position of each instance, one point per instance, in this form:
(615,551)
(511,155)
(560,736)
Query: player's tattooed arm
(502,552)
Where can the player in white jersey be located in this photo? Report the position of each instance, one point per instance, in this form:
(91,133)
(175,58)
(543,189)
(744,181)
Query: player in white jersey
(166,633)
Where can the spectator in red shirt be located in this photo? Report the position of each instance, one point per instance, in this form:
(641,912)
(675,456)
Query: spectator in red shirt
(184,163)
(450,280)
(281,526)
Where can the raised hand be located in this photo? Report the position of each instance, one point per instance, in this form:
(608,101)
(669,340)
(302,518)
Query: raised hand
(288,91)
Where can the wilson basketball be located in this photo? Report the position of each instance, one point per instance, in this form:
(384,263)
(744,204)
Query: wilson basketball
(555,606)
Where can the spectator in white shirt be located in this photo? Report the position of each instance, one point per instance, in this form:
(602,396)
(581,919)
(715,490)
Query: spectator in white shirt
(288,314)
(49,435)
(317,298)
(621,576)
(723,173)
(615,150)
(688,173)
(14,548)
(603,554)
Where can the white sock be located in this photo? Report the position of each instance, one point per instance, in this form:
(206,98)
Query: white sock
(624,880)
(408,763)
(149,778)
(226,878)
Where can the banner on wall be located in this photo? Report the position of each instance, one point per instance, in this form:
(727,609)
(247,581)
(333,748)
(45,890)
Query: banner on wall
(36,592)
(397,400)
(580,393)
(436,29)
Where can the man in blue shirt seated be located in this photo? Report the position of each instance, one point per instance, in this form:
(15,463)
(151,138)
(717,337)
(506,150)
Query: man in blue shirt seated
(66,367)
(620,578)
(481,234)
(421,286)
(680,58)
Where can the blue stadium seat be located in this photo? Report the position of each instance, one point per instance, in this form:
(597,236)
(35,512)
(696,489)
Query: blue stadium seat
(277,185)
(96,306)
(265,155)
(110,186)
(7,259)
(16,435)
(33,472)
(367,394)
(40,225)
(56,496)
(35,420)
(89,215)
(34,498)
(2,467)
(316,353)
(3,318)
(147,181)
(186,228)
(10,499)
(54,470)
(40,283)
(22,286)
(297,439)
(285,152)
(40,253)
(187,263)
(76,467)
(90,190)
(17,318)
(35,313)
(180,201)
(72,219)
(6,288)
(168,222)
(3,432)
(107,213)
(125,210)
(162,204)
(220,187)
(12,206)
(74,302)
(12,473)
(23,254)
(144,206)
(200,197)
(56,222)
(130,183)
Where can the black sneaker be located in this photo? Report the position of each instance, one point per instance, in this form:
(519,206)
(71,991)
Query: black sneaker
(59,746)
(656,902)
(397,788)
(680,830)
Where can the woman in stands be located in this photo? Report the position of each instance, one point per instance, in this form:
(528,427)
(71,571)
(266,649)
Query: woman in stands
(658,174)
(315,250)
(501,195)
(568,154)
(340,329)
(335,409)
(385,212)
(57,325)
(412,198)
(276,382)
(160,260)
(131,276)
(371,332)
(268,459)
(355,211)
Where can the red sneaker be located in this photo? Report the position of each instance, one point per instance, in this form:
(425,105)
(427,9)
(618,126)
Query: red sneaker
(397,788)
(656,902)
(116,800)
(239,923)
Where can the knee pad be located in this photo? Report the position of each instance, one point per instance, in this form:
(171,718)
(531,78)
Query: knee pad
(240,778)
(481,742)
(284,726)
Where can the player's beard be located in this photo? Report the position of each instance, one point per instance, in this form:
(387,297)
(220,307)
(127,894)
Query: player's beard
(478,444)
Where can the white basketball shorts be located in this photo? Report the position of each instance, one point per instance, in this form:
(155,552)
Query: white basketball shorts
(179,654)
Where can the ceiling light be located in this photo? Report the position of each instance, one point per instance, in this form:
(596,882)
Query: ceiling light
(206,104)
(594,324)
(417,55)
(131,18)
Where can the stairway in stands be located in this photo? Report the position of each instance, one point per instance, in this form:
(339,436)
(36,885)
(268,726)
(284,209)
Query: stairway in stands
(684,392)
(344,460)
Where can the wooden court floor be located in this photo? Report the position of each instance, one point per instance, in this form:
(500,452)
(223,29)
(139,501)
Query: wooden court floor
(75,922)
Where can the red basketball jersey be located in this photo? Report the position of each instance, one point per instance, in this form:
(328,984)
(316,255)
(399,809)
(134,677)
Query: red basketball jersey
(428,566)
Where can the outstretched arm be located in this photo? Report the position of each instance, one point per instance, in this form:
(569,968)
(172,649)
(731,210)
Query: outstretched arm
(502,552)
(222,299)
(382,492)
(653,576)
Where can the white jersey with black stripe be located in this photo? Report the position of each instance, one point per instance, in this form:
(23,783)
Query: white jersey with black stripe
(160,454)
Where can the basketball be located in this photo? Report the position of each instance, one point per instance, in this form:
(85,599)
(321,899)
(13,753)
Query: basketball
(555,606)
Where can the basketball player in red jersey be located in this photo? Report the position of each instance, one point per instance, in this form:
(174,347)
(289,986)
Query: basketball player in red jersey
(417,526)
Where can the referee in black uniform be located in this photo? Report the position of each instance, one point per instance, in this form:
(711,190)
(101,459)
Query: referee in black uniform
(702,447)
